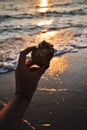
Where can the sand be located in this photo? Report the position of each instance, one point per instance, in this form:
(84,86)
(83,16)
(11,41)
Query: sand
(60,102)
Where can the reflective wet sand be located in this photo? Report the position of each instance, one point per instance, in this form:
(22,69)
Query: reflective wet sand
(60,101)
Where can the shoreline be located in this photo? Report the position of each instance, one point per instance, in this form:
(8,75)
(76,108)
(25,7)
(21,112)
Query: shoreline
(60,102)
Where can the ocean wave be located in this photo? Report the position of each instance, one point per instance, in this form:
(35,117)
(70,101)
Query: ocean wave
(39,15)
(59,28)
(9,63)
(20,16)
(8,60)
(60,14)
(67,26)
(19,27)
(22,28)
(76,3)
(65,4)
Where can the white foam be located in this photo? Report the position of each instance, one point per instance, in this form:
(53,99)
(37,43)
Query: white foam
(9,58)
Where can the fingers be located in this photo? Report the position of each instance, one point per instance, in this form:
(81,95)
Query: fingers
(37,69)
(29,63)
(29,49)
(22,57)
(41,70)
(33,69)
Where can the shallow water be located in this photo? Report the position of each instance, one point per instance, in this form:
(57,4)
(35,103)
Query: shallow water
(25,23)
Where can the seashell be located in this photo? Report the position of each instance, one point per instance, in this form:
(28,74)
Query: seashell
(43,54)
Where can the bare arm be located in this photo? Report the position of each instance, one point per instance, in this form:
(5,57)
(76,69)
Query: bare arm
(27,78)
(12,114)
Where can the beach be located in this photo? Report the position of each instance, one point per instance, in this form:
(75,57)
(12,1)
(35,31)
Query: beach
(27,23)
(60,102)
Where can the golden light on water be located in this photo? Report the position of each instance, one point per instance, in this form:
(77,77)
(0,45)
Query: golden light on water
(45,22)
(60,38)
(58,65)
(43,3)
(46,125)
(47,89)
(28,124)
(48,36)
(53,89)
(43,6)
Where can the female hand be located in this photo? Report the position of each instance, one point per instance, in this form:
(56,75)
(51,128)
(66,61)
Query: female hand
(27,76)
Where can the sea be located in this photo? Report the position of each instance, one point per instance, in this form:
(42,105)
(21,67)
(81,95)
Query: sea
(24,23)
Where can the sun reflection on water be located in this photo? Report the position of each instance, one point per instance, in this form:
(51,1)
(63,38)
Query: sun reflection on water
(53,89)
(45,22)
(58,65)
(43,6)
(48,36)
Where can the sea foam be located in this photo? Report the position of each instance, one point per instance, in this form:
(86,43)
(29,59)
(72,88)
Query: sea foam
(9,59)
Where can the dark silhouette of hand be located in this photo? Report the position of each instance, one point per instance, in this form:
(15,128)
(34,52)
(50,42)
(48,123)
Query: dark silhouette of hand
(27,76)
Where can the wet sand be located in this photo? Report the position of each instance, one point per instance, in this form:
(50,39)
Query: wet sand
(60,102)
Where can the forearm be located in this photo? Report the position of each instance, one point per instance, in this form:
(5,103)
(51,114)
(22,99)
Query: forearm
(12,114)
